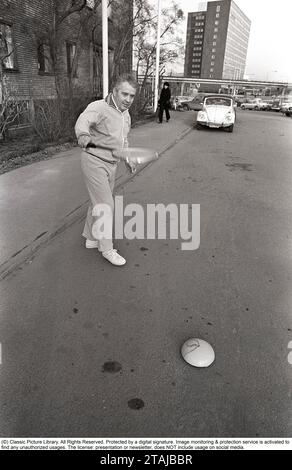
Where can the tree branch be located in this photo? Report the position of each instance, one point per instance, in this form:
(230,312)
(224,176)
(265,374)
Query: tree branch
(75,7)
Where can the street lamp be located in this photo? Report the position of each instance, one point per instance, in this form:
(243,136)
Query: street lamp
(156,83)
(236,73)
(179,14)
(104,49)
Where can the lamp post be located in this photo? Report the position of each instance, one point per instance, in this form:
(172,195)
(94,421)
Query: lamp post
(156,83)
(236,73)
(104,49)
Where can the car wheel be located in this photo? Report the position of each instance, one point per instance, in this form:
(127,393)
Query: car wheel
(230,128)
(242,107)
(256,108)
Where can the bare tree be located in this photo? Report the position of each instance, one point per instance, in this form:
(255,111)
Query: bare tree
(144,40)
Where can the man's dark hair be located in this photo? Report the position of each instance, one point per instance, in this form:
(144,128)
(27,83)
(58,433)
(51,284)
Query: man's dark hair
(126,77)
(166,83)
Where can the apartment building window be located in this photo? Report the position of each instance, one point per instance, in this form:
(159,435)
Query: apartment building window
(7,46)
(71,51)
(45,63)
(215,36)
(211,70)
(212,57)
(217,15)
(216,22)
(214,43)
(218,8)
(215,30)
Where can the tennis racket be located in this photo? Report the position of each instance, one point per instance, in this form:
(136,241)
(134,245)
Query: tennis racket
(137,155)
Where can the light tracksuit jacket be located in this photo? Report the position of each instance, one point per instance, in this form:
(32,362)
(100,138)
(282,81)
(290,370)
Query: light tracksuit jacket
(107,127)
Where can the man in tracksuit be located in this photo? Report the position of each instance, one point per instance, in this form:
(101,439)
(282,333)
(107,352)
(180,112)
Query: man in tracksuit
(101,130)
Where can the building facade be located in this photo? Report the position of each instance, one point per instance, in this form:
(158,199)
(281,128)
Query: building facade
(52,50)
(46,46)
(194,44)
(217,41)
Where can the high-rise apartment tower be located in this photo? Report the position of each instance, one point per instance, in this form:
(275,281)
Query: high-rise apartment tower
(217,41)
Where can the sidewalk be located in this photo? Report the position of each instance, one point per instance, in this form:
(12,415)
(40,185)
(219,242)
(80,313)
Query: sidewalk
(40,200)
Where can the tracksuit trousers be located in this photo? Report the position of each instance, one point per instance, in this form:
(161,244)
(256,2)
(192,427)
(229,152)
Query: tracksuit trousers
(99,178)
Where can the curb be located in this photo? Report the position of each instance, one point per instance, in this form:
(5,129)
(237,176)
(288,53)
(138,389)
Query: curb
(28,252)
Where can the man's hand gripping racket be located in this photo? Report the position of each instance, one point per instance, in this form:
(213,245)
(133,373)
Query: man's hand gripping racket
(134,156)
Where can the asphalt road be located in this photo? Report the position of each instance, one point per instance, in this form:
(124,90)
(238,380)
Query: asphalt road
(90,350)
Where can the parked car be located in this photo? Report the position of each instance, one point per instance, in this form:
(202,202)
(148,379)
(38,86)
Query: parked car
(256,104)
(274,105)
(176,101)
(239,100)
(269,104)
(286,108)
(218,111)
(195,104)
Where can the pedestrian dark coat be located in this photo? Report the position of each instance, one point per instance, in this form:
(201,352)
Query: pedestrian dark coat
(165,95)
(164,102)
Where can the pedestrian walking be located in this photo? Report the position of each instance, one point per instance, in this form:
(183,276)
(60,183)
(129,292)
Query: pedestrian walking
(102,129)
(164,102)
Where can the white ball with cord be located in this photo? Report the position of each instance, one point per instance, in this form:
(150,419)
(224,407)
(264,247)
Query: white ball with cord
(198,352)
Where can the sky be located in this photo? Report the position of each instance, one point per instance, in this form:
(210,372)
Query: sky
(269,54)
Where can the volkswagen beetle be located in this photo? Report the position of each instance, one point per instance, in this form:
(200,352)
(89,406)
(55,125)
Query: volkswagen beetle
(218,111)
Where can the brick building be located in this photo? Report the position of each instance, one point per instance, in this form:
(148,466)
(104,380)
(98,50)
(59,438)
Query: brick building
(53,48)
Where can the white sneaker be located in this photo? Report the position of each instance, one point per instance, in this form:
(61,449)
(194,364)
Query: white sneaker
(91,243)
(113,257)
